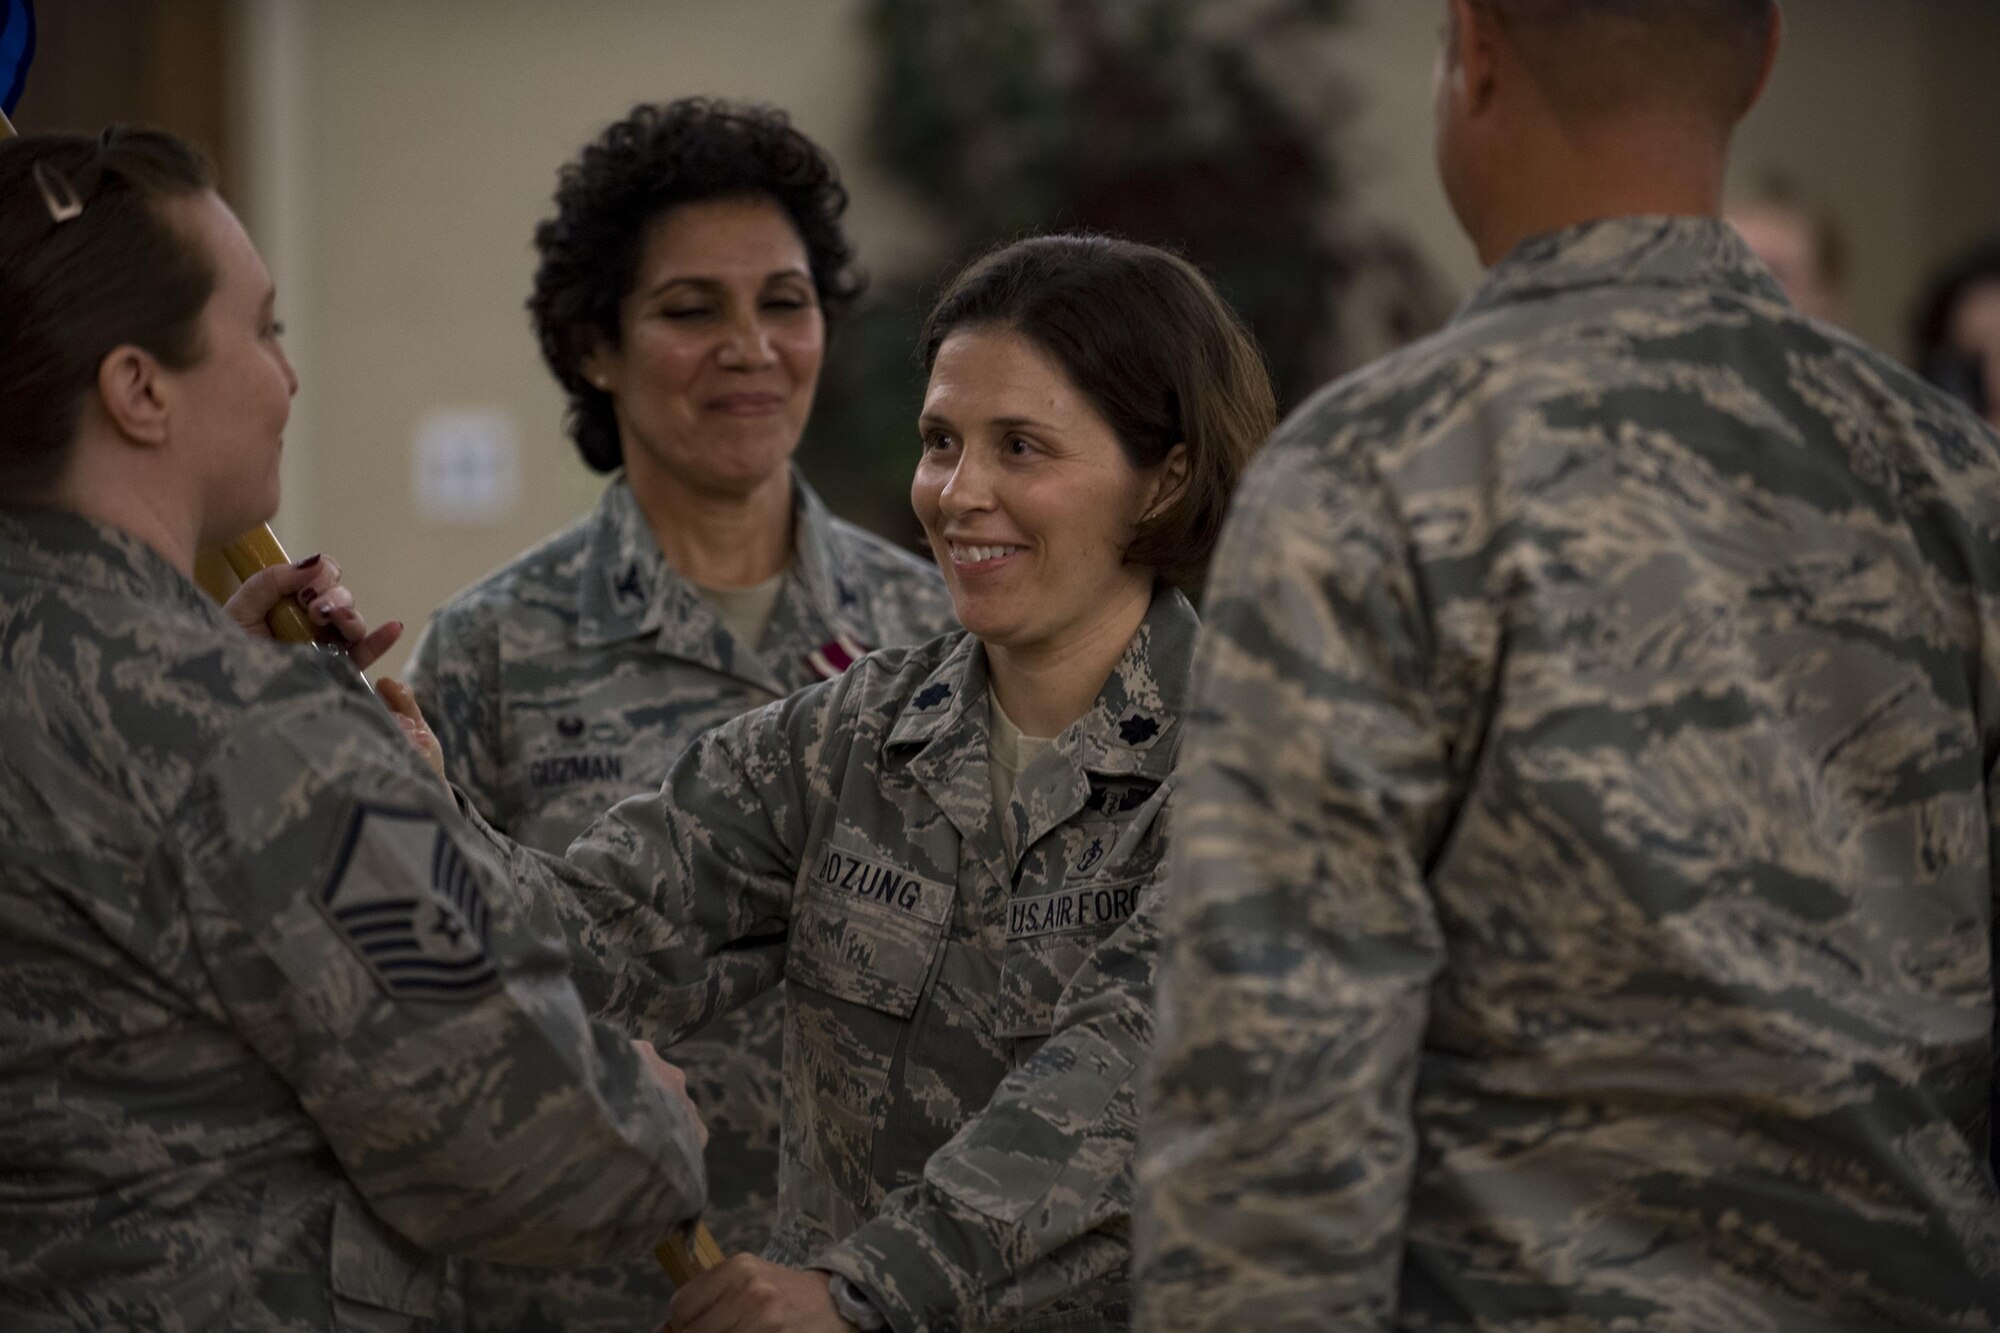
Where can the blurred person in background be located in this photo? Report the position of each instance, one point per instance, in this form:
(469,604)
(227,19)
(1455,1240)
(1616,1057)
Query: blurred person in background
(1800,241)
(951,853)
(1583,905)
(686,285)
(1957,330)
(273,1041)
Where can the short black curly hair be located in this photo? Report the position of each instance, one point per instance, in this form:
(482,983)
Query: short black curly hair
(660,156)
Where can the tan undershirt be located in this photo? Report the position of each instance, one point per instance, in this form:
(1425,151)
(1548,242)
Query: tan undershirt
(746,611)
(1009,751)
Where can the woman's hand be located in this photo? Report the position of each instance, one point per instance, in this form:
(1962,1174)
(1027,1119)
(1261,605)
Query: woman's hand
(402,706)
(751,1295)
(671,1080)
(314,583)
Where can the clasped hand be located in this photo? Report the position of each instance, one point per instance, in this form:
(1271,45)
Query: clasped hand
(314,583)
(746,1294)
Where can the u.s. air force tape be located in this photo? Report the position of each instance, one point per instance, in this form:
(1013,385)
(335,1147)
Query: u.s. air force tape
(1086,907)
(409,906)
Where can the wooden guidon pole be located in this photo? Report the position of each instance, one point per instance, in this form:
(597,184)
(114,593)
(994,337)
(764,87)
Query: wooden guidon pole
(259,549)
(688,1253)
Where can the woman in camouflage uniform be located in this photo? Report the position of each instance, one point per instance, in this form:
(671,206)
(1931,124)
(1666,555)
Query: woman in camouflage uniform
(686,281)
(962,912)
(272,1041)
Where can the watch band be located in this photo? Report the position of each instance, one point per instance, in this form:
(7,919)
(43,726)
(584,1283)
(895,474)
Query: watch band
(854,1305)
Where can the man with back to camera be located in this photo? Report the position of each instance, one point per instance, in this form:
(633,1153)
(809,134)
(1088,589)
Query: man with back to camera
(1584,898)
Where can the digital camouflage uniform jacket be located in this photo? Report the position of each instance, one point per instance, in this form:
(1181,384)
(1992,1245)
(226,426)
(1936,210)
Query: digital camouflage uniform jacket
(1586,912)
(573,678)
(269,1033)
(967,999)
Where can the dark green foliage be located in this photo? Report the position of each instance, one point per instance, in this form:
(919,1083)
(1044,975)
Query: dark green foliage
(1167,121)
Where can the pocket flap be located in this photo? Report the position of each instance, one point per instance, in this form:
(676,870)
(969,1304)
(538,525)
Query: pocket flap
(860,951)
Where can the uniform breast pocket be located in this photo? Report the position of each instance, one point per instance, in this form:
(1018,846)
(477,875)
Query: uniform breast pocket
(862,945)
(865,953)
(1049,937)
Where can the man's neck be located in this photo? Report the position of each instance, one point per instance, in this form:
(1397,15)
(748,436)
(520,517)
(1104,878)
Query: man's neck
(1045,687)
(1631,171)
(719,541)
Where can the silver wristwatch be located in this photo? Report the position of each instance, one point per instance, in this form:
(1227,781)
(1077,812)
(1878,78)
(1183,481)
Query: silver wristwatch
(853,1304)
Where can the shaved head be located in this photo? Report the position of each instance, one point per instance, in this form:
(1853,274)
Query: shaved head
(1598,58)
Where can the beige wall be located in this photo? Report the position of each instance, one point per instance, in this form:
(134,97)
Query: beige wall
(406,148)
(1889,110)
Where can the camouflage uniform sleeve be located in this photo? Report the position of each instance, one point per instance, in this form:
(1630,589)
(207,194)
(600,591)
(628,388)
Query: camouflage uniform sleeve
(1993,953)
(348,923)
(651,953)
(455,674)
(1300,939)
(1033,1196)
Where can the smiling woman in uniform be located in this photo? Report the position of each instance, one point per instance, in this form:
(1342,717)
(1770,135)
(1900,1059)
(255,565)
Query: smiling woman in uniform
(949,854)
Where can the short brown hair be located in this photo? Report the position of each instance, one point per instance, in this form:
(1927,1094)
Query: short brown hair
(1147,340)
(119,273)
(1591,56)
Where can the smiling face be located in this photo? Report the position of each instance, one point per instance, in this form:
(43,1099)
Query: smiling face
(229,408)
(1026,495)
(720,341)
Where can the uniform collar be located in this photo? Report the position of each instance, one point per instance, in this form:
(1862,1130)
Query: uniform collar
(840,601)
(628,591)
(1626,252)
(1131,729)
(59,547)
(623,571)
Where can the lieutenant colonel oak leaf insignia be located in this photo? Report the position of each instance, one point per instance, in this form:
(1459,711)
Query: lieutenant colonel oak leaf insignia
(932,695)
(408,904)
(1138,729)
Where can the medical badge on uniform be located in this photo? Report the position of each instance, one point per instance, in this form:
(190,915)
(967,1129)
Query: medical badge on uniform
(409,905)
(835,656)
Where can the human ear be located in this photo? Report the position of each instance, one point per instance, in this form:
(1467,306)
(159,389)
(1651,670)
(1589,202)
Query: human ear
(131,390)
(1470,39)
(1773,40)
(1169,480)
(598,363)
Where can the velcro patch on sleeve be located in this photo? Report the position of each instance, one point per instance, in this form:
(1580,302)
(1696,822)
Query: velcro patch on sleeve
(408,903)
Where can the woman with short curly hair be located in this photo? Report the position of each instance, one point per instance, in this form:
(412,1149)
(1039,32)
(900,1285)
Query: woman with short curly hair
(687,279)
(612,200)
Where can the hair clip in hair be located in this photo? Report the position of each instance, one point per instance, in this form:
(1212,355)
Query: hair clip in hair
(57,193)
